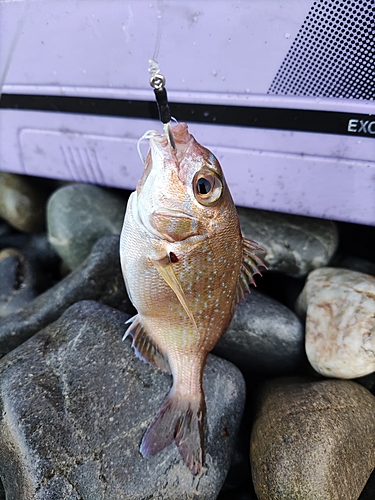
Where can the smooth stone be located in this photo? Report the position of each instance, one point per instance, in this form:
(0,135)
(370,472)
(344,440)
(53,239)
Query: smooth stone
(264,337)
(98,278)
(281,287)
(5,228)
(356,264)
(313,440)
(76,402)
(293,244)
(80,214)
(22,201)
(340,322)
(18,281)
(37,249)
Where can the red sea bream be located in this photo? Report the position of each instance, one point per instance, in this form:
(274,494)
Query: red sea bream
(185,265)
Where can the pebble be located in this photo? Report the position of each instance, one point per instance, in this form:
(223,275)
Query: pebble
(22,201)
(313,440)
(294,245)
(356,264)
(18,281)
(264,337)
(340,322)
(80,214)
(98,278)
(77,402)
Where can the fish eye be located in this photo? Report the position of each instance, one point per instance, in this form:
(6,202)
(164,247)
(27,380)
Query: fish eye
(203,186)
(207,186)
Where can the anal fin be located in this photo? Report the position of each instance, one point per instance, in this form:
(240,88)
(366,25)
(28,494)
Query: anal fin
(249,267)
(144,346)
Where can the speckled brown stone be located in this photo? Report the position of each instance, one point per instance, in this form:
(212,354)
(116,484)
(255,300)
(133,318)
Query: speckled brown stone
(313,440)
(22,201)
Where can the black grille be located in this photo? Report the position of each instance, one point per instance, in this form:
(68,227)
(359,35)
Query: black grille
(333,54)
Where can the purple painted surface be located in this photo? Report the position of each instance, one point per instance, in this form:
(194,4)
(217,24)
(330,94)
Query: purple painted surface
(224,52)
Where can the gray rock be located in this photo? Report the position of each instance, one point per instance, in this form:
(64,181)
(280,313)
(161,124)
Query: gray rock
(264,337)
(18,281)
(80,214)
(313,440)
(37,250)
(22,201)
(98,278)
(75,403)
(293,244)
(5,229)
(340,322)
(356,264)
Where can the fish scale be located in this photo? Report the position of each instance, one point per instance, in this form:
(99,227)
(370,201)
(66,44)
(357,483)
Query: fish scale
(185,265)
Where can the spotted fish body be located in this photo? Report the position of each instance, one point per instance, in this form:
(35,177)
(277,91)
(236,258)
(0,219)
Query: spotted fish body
(185,265)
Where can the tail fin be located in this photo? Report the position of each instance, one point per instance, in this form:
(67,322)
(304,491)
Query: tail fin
(181,420)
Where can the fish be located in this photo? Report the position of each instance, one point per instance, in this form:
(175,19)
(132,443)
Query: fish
(186,265)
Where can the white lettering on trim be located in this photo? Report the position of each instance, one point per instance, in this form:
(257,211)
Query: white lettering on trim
(352,125)
(362,126)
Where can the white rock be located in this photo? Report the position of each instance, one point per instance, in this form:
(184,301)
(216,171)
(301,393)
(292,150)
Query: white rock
(340,322)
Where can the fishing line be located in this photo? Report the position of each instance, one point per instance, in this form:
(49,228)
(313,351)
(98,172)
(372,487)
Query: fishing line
(20,26)
(160,15)
(145,136)
(157,81)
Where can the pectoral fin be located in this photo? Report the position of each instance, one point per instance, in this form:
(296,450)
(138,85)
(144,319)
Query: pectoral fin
(165,269)
(249,267)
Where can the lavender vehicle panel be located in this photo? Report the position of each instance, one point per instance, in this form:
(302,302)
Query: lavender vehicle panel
(215,53)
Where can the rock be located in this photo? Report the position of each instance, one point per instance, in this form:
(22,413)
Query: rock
(37,249)
(293,244)
(264,337)
(313,440)
(356,264)
(76,402)
(18,281)
(340,322)
(22,201)
(80,214)
(5,229)
(281,287)
(98,278)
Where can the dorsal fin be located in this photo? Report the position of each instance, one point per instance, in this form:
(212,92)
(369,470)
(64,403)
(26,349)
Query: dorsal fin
(249,267)
(144,346)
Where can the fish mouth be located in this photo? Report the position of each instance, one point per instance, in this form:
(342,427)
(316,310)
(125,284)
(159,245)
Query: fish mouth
(172,142)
